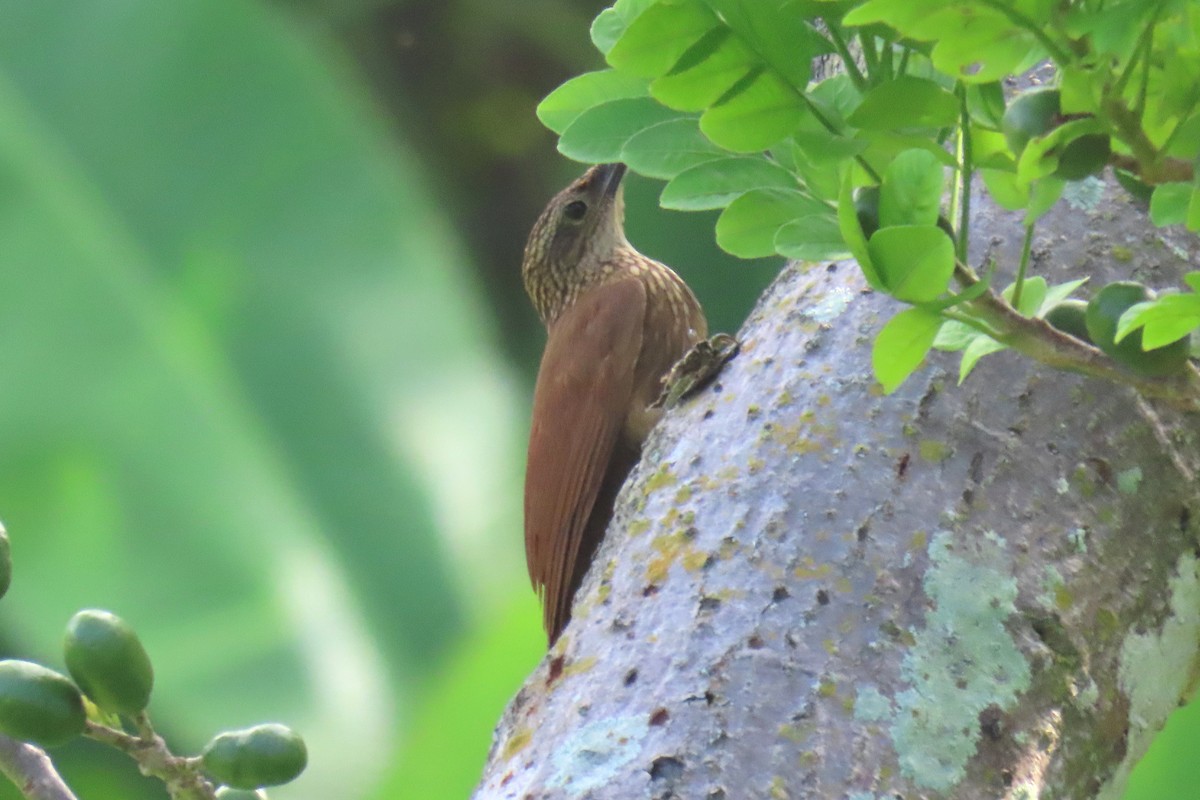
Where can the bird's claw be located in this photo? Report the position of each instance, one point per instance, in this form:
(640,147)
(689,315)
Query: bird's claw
(697,367)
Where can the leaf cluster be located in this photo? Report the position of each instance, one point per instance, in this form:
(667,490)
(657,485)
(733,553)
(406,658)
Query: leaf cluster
(732,104)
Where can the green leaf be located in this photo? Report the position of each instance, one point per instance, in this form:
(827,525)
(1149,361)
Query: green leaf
(978,45)
(1057,293)
(906,102)
(1033,295)
(747,227)
(816,237)
(714,184)
(914,262)
(611,23)
(564,105)
(1169,203)
(705,72)
(903,15)
(985,103)
(776,31)
(902,344)
(981,346)
(599,134)
(668,148)
(1164,320)
(659,36)
(955,335)
(1043,194)
(753,115)
(1004,188)
(912,190)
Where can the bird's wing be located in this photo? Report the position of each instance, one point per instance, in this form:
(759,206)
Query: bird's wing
(583,392)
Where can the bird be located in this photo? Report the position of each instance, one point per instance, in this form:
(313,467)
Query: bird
(616,323)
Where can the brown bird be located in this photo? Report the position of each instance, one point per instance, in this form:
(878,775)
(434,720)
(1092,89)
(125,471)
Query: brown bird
(616,323)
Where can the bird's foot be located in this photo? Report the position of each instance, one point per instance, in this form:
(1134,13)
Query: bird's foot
(697,367)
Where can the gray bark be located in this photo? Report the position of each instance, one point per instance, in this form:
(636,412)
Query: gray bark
(813,590)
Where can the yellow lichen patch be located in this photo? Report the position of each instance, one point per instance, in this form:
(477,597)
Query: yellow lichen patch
(792,733)
(694,559)
(728,548)
(843,585)
(639,526)
(809,569)
(684,494)
(663,477)
(933,450)
(519,740)
(785,398)
(754,465)
(830,647)
(779,789)
(919,540)
(580,666)
(1063,598)
(827,688)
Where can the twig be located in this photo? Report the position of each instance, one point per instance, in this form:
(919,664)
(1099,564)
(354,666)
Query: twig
(32,771)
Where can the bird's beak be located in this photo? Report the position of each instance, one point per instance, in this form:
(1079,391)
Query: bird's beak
(608,179)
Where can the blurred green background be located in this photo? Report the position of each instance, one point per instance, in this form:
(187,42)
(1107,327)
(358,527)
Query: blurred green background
(265,363)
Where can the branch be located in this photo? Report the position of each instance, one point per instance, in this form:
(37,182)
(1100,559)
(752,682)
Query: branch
(32,771)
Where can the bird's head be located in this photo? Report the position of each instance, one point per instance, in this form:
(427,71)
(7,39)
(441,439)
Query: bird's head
(580,231)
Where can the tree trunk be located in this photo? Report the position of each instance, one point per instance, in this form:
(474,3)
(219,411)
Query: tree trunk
(813,590)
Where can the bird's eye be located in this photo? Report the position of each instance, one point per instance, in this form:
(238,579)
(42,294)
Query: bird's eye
(575,210)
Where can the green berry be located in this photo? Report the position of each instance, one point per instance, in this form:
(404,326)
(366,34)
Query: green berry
(265,755)
(1103,313)
(1036,113)
(1070,316)
(38,704)
(107,660)
(229,793)
(5,561)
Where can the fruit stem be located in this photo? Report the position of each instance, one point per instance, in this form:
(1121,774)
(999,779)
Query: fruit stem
(966,169)
(180,775)
(32,771)
(1019,284)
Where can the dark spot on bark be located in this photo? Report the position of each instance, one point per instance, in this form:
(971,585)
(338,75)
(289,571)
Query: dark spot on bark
(650,590)
(755,642)
(780,594)
(709,698)
(659,717)
(902,466)
(710,603)
(708,412)
(719,793)
(709,561)
(863,531)
(1102,469)
(1052,448)
(1006,777)
(508,776)
(1185,518)
(822,597)
(717,387)
(832,266)
(975,471)
(968,496)
(691,532)
(631,677)
(666,768)
(991,722)
(556,669)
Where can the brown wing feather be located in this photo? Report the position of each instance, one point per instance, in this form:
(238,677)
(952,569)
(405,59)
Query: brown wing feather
(583,393)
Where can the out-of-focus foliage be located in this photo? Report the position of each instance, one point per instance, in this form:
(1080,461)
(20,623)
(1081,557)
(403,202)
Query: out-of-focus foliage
(249,394)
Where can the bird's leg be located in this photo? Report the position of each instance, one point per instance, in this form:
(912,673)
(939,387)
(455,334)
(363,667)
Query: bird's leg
(697,367)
